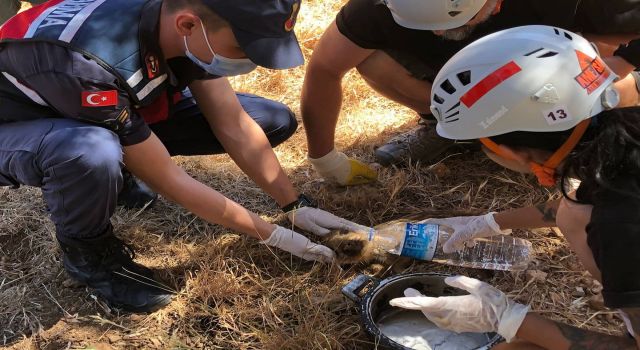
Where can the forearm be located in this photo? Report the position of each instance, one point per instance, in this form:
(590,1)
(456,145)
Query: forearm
(213,207)
(541,215)
(242,138)
(320,105)
(151,163)
(552,335)
(249,147)
(333,56)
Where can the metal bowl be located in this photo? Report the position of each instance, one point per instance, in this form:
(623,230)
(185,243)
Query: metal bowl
(373,304)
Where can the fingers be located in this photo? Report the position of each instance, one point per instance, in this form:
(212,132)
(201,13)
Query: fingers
(299,245)
(344,170)
(325,221)
(471,285)
(358,180)
(410,292)
(315,229)
(352,226)
(414,300)
(458,242)
(306,218)
(421,303)
(319,253)
(360,173)
(454,244)
(434,221)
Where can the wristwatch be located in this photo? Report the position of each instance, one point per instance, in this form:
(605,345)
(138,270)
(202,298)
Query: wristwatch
(302,201)
(610,98)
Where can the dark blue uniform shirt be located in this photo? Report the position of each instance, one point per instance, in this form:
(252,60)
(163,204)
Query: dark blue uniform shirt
(94,60)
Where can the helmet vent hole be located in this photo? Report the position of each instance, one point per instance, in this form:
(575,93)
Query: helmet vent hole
(465,77)
(548,54)
(454,107)
(438,99)
(454,13)
(448,87)
(452,115)
(534,51)
(566,35)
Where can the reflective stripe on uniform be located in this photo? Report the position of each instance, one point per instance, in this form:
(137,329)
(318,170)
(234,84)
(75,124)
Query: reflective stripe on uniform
(76,22)
(135,79)
(150,86)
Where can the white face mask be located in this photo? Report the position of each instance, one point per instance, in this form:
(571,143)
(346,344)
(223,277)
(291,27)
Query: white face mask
(220,65)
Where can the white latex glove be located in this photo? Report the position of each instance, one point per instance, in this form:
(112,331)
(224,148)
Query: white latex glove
(486,309)
(320,222)
(466,228)
(298,245)
(346,171)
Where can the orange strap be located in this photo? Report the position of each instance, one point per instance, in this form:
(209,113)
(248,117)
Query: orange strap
(546,173)
(495,148)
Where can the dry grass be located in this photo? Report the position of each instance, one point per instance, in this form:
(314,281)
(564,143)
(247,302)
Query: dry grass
(236,294)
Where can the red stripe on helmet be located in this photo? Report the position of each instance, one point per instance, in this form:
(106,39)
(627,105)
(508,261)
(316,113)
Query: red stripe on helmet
(489,83)
(17,26)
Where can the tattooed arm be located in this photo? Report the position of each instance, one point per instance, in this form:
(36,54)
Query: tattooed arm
(541,215)
(548,334)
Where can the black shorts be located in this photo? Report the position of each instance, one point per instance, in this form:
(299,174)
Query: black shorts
(416,67)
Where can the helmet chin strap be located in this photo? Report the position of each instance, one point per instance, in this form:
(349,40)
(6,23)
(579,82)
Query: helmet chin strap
(546,172)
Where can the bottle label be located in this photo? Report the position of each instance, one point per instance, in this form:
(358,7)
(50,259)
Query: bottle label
(420,241)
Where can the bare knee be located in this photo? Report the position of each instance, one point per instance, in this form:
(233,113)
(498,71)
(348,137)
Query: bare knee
(573,219)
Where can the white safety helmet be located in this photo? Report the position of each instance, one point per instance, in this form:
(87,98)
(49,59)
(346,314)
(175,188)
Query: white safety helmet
(433,14)
(531,78)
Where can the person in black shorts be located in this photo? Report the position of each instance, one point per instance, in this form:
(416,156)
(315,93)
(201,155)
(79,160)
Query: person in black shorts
(550,81)
(400,62)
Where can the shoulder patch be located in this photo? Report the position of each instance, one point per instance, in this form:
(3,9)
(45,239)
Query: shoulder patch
(99,98)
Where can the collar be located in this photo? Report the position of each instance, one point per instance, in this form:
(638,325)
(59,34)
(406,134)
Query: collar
(151,58)
(546,173)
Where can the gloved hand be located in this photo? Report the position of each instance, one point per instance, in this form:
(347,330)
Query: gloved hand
(338,167)
(320,222)
(486,309)
(467,228)
(299,245)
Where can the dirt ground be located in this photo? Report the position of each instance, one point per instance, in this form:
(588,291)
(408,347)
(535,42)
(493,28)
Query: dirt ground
(236,294)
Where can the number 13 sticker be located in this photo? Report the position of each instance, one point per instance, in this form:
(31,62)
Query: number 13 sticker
(557,115)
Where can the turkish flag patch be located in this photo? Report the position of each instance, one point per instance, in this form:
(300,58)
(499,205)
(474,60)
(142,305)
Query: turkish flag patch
(99,98)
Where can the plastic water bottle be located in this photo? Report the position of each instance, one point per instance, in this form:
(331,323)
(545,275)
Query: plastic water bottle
(424,241)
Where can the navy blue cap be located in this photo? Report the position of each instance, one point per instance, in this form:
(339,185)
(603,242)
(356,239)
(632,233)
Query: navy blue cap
(264,29)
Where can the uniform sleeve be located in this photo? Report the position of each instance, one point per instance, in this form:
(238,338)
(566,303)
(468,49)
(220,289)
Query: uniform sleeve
(95,102)
(613,235)
(367,23)
(76,87)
